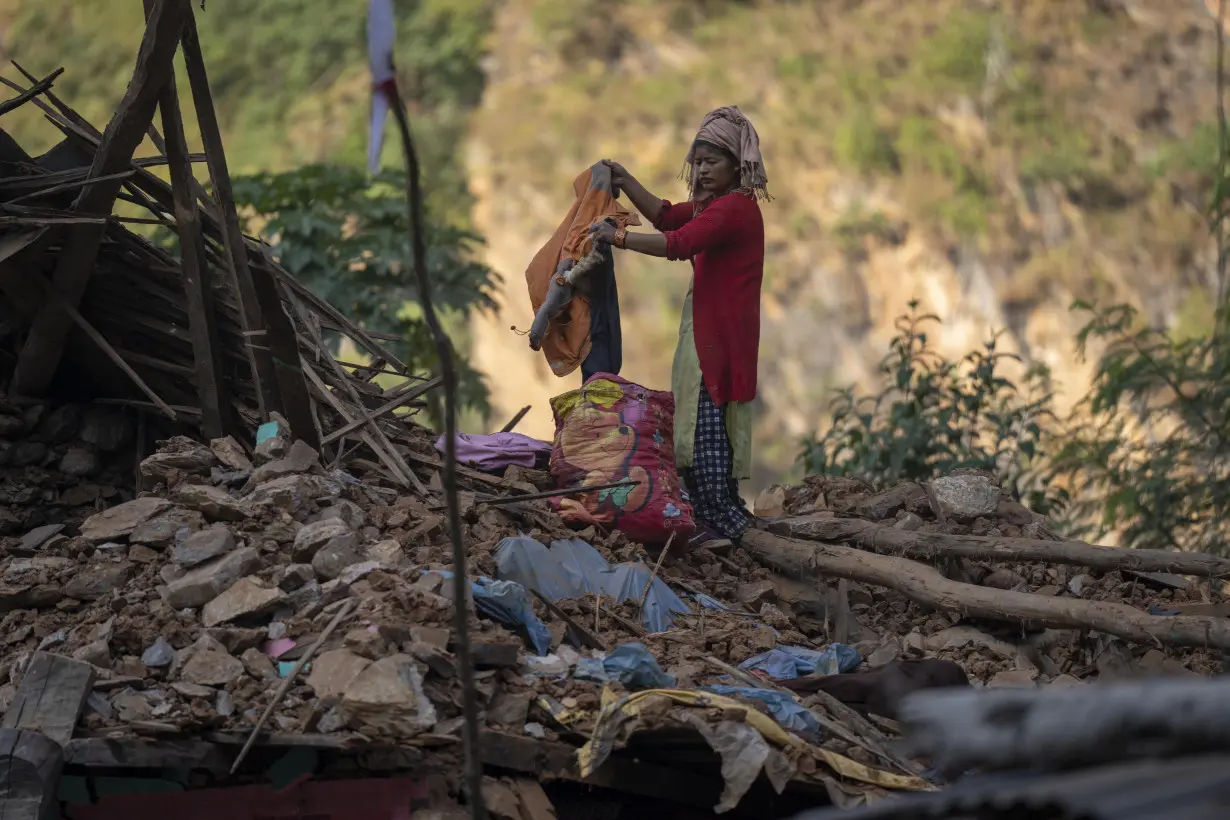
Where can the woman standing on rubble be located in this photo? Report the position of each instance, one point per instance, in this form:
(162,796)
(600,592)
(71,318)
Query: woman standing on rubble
(721,231)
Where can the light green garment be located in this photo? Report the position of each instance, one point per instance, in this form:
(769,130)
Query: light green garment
(685,384)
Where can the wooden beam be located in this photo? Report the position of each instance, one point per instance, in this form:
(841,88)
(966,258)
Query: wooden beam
(30,765)
(210,386)
(44,346)
(280,380)
(51,697)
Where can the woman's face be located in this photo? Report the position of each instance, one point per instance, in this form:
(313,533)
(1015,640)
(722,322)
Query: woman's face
(713,171)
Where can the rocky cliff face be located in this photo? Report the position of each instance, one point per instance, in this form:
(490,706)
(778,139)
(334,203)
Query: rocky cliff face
(994,160)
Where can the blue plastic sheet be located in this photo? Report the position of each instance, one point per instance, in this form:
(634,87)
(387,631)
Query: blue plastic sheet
(584,566)
(630,664)
(784,662)
(526,561)
(788,712)
(627,581)
(509,603)
(574,569)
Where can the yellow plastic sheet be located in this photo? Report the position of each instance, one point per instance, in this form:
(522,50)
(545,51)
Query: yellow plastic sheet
(617,710)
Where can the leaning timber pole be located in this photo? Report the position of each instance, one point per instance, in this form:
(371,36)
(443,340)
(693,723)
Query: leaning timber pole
(448,372)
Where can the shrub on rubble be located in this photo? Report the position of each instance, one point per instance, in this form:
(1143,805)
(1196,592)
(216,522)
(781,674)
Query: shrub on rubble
(932,415)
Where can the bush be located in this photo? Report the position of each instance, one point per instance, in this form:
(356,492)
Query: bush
(932,416)
(347,238)
(1149,445)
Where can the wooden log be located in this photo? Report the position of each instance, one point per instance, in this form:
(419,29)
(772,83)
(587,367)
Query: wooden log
(30,765)
(926,586)
(51,696)
(928,546)
(1066,728)
(275,367)
(210,386)
(44,346)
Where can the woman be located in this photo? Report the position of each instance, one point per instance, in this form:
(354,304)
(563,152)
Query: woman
(720,230)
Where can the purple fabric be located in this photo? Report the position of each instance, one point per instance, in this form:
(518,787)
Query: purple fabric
(494,451)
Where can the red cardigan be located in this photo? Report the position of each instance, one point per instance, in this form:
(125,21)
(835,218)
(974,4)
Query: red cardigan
(725,242)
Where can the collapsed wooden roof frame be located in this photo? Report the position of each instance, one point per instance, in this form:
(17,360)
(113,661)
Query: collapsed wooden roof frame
(254,334)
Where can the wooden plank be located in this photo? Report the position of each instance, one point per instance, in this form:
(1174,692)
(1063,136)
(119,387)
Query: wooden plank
(44,346)
(210,386)
(281,383)
(139,753)
(24,97)
(30,765)
(51,697)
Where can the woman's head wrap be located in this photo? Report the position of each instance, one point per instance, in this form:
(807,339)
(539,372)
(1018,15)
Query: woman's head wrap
(728,129)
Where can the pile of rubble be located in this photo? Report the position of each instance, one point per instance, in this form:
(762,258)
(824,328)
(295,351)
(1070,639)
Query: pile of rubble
(61,463)
(195,600)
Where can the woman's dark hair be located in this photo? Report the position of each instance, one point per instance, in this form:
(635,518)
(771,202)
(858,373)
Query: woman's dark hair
(733,160)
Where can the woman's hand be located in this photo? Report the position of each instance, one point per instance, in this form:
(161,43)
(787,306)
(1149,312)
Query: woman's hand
(602,232)
(619,174)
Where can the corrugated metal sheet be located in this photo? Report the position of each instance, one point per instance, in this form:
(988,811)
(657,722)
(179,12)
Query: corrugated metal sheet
(1196,788)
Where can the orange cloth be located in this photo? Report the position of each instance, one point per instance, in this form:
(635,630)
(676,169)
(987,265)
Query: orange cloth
(567,341)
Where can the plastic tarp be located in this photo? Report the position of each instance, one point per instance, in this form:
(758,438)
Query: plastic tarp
(788,712)
(628,581)
(526,561)
(630,664)
(583,564)
(509,603)
(785,662)
(573,569)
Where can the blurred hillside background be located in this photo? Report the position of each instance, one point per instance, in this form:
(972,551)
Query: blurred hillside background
(993,160)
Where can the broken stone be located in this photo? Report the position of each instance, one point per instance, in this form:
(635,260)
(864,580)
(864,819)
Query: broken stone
(334,671)
(237,640)
(215,503)
(967,496)
(366,643)
(141,554)
(1003,579)
(203,546)
(347,511)
(95,582)
(432,635)
(908,522)
(106,429)
(319,534)
(202,584)
(389,553)
(29,596)
(58,426)
(1077,585)
(159,654)
(357,572)
(193,690)
(224,705)
(163,531)
(97,653)
(770,503)
(300,459)
(179,454)
(755,593)
(258,664)
(210,665)
(885,654)
(912,645)
(295,576)
(333,559)
(886,504)
(122,519)
(80,462)
(38,536)
(27,453)
(230,453)
(246,598)
(1013,677)
(387,699)
(132,706)
(510,709)
(290,493)
(436,659)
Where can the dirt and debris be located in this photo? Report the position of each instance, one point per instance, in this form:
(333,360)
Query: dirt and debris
(193,597)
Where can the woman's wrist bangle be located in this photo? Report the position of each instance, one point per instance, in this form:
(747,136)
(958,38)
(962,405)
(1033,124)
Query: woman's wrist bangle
(621,237)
